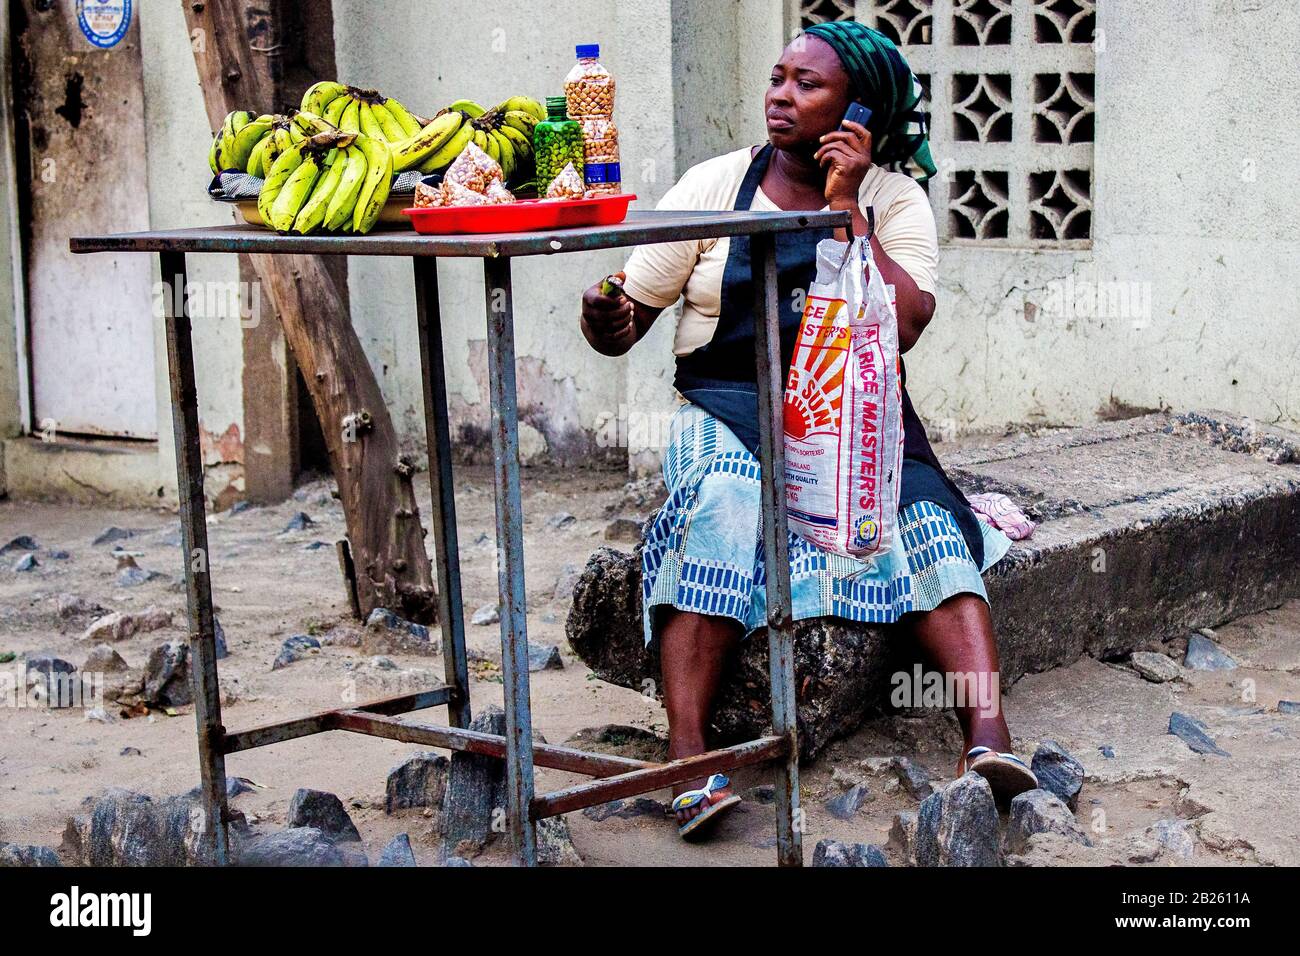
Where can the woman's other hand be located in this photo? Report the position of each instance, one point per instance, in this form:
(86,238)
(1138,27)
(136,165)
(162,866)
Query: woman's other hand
(845,154)
(609,321)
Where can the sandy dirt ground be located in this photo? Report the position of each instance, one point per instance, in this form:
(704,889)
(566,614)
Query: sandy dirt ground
(270,584)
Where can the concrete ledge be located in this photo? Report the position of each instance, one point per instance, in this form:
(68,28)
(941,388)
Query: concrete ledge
(1150,528)
(100,472)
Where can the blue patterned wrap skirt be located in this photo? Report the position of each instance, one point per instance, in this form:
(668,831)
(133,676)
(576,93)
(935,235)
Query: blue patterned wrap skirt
(704,550)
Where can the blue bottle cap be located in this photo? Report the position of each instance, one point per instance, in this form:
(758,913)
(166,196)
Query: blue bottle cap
(587,51)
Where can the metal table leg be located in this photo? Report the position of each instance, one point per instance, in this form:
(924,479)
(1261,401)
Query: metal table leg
(510,558)
(780,632)
(198,583)
(437,436)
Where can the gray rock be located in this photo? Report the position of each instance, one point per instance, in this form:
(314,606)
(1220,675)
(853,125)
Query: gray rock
(125,828)
(912,776)
(381,663)
(234,787)
(239,507)
(626,810)
(54,680)
(487,614)
(958,826)
(27,562)
(555,844)
(16,855)
(544,657)
(902,834)
(1058,772)
(1173,837)
(626,530)
(315,545)
(299,522)
(219,634)
(130,752)
(1288,707)
(844,806)
(565,582)
(835,853)
(59,555)
(560,520)
(1107,751)
(293,649)
(476,789)
(73,605)
(1195,734)
(111,534)
(121,625)
(301,846)
(419,781)
(925,843)
(325,812)
(1204,655)
(454,860)
(386,633)
(103,659)
(24,542)
(1038,811)
(167,675)
(398,852)
(1156,668)
(133,576)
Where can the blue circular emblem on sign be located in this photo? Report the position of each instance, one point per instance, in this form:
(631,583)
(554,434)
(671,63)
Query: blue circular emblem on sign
(104,22)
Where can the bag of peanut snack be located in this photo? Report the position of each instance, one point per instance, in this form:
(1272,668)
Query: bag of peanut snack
(843,408)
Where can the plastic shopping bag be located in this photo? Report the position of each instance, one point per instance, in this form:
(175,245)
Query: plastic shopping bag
(843,408)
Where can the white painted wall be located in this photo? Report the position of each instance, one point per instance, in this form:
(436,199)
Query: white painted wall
(1186,95)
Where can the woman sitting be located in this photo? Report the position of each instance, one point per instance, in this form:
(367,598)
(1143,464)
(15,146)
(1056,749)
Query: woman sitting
(702,561)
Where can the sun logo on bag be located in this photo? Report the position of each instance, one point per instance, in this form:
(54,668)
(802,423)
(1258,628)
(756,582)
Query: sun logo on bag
(815,388)
(866,533)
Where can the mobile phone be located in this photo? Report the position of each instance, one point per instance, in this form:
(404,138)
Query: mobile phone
(856,113)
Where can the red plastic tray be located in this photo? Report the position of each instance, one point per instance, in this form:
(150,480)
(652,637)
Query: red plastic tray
(525,216)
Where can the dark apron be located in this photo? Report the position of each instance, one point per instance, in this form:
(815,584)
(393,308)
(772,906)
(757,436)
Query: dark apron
(720,376)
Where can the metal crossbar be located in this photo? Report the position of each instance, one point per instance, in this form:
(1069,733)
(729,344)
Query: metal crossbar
(614,777)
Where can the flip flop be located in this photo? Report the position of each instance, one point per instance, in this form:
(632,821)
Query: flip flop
(1006,773)
(704,821)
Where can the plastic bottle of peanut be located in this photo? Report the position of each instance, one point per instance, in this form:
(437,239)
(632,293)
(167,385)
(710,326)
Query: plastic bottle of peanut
(589,92)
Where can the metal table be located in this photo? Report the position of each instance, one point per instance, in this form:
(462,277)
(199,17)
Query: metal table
(614,777)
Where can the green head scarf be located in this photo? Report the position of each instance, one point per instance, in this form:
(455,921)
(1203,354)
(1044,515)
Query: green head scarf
(880,78)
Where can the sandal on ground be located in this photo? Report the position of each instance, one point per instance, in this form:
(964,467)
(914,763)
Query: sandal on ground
(706,819)
(1006,773)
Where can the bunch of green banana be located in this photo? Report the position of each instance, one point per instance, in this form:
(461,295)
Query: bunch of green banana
(505,133)
(356,110)
(332,180)
(233,144)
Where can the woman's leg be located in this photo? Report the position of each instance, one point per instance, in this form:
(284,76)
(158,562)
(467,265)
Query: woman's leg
(957,638)
(693,651)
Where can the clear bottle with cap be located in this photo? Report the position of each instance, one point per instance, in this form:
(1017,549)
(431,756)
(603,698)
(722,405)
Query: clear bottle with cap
(589,93)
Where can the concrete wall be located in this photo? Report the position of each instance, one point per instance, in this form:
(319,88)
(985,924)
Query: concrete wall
(1191,203)
(429,54)
(1195,204)
(11,405)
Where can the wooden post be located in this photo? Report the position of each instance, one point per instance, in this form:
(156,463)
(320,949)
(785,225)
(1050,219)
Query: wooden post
(255,55)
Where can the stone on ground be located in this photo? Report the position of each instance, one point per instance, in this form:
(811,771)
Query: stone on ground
(297,846)
(125,828)
(1156,668)
(1204,655)
(1195,734)
(419,781)
(325,812)
(476,789)
(16,855)
(1038,811)
(835,853)
(398,852)
(167,675)
(1058,772)
(957,826)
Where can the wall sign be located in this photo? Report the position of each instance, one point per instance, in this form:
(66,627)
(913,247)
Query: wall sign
(104,22)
